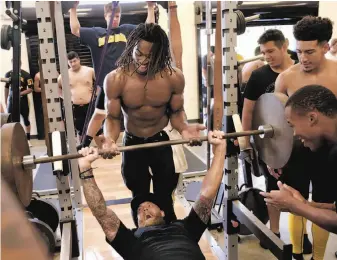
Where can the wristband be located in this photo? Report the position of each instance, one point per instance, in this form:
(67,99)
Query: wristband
(86,177)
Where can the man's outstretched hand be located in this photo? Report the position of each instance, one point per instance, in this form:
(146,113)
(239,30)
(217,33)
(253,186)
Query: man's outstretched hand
(192,132)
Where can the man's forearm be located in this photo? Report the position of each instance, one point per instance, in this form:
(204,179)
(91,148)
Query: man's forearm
(6,97)
(326,219)
(179,120)
(213,178)
(74,22)
(112,127)
(93,195)
(328,206)
(95,124)
(108,220)
(150,15)
(25,92)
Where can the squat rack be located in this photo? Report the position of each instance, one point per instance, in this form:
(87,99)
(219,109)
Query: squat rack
(50,18)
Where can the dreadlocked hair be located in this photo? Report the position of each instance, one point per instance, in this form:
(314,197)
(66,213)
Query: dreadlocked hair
(160,53)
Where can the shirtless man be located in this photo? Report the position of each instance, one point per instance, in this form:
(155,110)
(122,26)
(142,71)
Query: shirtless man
(81,80)
(149,92)
(312,35)
(312,112)
(94,39)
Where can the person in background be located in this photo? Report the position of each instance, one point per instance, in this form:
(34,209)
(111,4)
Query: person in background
(26,87)
(94,38)
(332,53)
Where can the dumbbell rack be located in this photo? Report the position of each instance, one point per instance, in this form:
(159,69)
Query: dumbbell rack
(71,216)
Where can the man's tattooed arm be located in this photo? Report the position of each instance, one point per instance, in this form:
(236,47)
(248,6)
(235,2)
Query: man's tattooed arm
(105,216)
(211,184)
(203,207)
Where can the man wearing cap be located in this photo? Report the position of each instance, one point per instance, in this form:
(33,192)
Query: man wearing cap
(154,239)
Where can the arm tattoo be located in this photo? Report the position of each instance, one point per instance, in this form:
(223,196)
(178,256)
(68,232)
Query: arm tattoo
(203,207)
(105,216)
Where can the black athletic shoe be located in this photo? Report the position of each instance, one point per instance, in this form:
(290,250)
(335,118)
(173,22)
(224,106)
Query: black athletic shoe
(336,254)
(298,256)
(307,246)
(264,246)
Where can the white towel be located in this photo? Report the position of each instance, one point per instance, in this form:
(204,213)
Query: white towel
(179,158)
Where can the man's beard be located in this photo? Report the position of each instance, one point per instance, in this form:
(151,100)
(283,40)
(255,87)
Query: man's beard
(155,222)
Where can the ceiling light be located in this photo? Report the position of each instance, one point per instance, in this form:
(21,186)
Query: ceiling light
(84,9)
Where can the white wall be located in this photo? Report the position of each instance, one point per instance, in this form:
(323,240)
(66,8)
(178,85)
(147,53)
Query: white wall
(329,9)
(186,19)
(6,65)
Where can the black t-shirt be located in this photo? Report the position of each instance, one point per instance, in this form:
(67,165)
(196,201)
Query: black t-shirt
(176,241)
(332,161)
(94,38)
(26,81)
(260,82)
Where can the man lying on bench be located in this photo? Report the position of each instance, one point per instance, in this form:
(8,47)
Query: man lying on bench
(154,239)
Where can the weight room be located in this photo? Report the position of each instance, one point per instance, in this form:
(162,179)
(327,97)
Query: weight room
(54,99)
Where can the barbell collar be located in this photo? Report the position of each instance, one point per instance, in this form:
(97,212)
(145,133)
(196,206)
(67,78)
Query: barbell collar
(28,162)
(259,57)
(268,131)
(141,146)
(252,18)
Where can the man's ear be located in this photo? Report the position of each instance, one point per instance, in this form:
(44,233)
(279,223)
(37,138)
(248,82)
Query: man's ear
(162,213)
(313,118)
(326,47)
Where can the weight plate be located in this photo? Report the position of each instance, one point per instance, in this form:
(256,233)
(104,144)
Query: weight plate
(253,201)
(4,118)
(269,109)
(14,146)
(44,211)
(6,34)
(46,233)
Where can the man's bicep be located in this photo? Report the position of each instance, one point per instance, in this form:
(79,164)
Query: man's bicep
(113,107)
(110,224)
(194,225)
(253,88)
(123,242)
(177,103)
(280,84)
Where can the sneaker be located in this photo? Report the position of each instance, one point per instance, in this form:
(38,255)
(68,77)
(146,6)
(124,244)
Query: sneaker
(264,246)
(307,246)
(298,256)
(29,143)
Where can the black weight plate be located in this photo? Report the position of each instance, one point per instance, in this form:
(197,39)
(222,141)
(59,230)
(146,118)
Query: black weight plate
(243,23)
(44,211)
(253,201)
(46,233)
(6,32)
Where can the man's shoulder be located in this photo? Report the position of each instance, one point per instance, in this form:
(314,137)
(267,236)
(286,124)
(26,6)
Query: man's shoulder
(262,71)
(8,73)
(25,73)
(290,73)
(117,76)
(332,63)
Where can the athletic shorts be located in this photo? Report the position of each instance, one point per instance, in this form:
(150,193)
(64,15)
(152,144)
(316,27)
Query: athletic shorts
(80,113)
